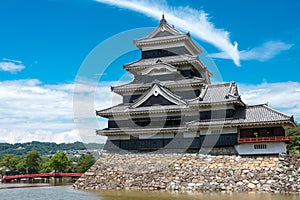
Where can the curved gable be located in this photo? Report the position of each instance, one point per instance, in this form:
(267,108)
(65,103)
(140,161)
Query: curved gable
(159,69)
(159,92)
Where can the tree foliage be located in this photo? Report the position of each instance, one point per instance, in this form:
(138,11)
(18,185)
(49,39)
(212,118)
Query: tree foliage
(85,162)
(295,136)
(44,148)
(59,162)
(10,162)
(32,161)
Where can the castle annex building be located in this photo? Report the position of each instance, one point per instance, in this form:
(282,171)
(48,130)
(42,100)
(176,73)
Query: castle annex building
(172,106)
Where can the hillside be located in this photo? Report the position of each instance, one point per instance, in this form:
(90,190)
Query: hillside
(44,148)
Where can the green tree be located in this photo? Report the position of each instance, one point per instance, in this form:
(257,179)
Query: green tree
(21,167)
(32,161)
(294,148)
(85,162)
(60,162)
(10,161)
(45,165)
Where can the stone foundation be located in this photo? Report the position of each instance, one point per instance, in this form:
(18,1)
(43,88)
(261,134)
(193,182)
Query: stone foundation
(193,172)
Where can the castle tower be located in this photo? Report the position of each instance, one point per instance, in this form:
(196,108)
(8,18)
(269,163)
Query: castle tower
(172,106)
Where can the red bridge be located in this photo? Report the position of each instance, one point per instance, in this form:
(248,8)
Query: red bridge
(42,175)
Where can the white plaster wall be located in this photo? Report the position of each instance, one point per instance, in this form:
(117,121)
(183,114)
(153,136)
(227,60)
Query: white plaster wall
(118,137)
(154,136)
(191,135)
(272,148)
(215,131)
(166,45)
(168,135)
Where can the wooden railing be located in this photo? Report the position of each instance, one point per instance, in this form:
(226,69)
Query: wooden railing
(42,175)
(286,139)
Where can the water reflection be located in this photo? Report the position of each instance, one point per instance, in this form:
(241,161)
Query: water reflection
(131,195)
(44,191)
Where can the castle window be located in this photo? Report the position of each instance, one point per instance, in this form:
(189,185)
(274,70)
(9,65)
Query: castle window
(216,114)
(260,146)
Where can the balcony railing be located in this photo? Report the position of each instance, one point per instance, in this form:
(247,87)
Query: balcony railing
(286,139)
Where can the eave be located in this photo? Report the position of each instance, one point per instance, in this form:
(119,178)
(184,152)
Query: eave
(239,124)
(128,131)
(188,42)
(123,89)
(162,109)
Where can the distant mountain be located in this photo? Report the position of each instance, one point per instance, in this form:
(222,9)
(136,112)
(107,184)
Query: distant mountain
(45,148)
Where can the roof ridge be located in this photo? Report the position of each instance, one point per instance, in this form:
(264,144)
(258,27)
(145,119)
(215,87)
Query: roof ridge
(276,111)
(165,38)
(103,110)
(113,87)
(265,105)
(220,84)
(164,26)
(124,65)
(256,105)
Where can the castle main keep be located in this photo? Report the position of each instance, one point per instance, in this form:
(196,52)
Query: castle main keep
(172,106)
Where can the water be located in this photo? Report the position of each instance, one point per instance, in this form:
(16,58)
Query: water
(44,191)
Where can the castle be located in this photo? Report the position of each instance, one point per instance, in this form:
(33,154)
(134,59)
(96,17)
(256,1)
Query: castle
(172,106)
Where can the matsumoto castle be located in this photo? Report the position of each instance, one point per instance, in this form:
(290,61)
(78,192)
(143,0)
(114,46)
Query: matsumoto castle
(172,106)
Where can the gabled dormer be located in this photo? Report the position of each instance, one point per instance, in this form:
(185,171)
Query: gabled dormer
(164,29)
(159,68)
(158,95)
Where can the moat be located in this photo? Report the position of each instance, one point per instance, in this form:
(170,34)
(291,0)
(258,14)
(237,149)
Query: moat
(37,192)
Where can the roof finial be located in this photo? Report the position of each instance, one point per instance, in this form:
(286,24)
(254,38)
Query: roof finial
(163,20)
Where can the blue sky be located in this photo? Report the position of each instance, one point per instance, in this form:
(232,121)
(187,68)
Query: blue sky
(43,43)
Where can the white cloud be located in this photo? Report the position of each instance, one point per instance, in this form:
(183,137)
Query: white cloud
(21,136)
(11,60)
(185,18)
(262,53)
(12,66)
(284,96)
(30,110)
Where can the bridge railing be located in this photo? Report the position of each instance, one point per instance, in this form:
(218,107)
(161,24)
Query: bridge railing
(41,175)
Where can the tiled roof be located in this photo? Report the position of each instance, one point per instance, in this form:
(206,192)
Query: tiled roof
(134,131)
(126,109)
(170,84)
(179,59)
(164,29)
(159,40)
(186,39)
(210,95)
(260,113)
(217,93)
(250,115)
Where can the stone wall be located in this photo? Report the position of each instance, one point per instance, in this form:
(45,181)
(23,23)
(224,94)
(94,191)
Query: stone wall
(193,172)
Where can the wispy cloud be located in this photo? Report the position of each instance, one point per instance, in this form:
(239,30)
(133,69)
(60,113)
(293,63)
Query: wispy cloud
(12,66)
(262,53)
(185,18)
(283,96)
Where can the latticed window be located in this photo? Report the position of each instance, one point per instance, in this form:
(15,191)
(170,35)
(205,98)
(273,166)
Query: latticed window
(260,146)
